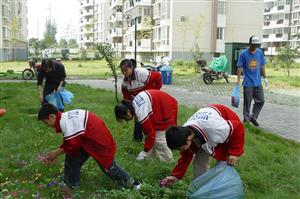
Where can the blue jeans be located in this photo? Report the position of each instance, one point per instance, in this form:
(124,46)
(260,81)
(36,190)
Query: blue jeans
(73,166)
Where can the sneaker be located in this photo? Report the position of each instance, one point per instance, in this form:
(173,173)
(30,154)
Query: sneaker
(254,122)
(137,185)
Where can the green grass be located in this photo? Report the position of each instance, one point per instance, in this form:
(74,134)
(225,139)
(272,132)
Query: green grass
(74,69)
(269,168)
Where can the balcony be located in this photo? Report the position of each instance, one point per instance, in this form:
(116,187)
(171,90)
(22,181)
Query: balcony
(88,3)
(86,13)
(267,10)
(144,45)
(280,21)
(116,32)
(114,3)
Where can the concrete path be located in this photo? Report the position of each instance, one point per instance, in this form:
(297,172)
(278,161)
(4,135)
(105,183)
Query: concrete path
(281,120)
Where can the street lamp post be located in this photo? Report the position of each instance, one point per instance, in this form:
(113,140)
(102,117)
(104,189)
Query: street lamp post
(129,17)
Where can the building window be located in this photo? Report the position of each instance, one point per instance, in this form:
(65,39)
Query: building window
(220,33)
(184,19)
(221,7)
(147,12)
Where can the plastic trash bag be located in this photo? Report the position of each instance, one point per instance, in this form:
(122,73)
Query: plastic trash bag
(220,182)
(235,97)
(66,96)
(56,100)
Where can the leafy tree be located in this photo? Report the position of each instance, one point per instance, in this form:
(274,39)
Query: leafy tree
(183,26)
(34,44)
(14,33)
(196,54)
(49,34)
(63,43)
(105,49)
(83,54)
(286,56)
(73,43)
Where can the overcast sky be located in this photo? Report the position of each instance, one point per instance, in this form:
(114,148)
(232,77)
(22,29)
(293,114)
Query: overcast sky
(65,13)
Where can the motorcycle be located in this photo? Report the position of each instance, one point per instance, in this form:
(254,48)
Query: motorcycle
(216,70)
(33,69)
(155,66)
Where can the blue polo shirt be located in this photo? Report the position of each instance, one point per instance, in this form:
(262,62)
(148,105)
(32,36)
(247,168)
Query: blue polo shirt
(251,64)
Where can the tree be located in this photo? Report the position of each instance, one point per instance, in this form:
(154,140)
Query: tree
(196,54)
(63,43)
(183,26)
(105,49)
(286,56)
(34,44)
(14,33)
(49,34)
(73,43)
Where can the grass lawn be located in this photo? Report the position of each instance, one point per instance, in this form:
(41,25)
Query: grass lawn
(269,169)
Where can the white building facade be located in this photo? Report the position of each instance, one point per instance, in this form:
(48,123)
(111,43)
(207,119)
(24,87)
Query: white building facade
(281,24)
(93,22)
(13,30)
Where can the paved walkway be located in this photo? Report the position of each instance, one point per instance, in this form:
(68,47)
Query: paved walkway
(282,120)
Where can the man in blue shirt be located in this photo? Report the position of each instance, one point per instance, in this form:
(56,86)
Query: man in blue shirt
(252,63)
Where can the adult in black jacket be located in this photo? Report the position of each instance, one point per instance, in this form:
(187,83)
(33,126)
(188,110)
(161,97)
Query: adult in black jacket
(54,73)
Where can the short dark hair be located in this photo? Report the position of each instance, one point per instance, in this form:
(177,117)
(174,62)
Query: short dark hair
(122,108)
(47,63)
(176,136)
(46,110)
(128,63)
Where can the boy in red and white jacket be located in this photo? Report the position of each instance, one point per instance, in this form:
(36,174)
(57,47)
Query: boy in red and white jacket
(212,131)
(84,135)
(156,111)
(135,81)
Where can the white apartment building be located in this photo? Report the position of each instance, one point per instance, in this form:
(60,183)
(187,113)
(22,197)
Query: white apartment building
(172,28)
(116,25)
(13,30)
(94,15)
(281,24)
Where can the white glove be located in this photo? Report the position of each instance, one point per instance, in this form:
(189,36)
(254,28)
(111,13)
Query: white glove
(266,82)
(142,155)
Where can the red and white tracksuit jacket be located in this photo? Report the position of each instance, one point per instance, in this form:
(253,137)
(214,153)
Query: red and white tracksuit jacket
(222,131)
(156,111)
(141,80)
(83,129)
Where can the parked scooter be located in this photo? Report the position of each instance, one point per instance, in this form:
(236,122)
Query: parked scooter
(216,70)
(155,66)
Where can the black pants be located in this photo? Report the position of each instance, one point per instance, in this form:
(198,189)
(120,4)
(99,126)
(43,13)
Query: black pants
(257,95)
(73,166)
(138,133)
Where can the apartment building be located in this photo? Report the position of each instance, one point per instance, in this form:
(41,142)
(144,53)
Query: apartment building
(116,25)
(13,30)
(281,24)
(94,15)
(173,28)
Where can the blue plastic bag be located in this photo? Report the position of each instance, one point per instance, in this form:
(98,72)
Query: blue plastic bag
(220,182)
(66,96)
(235,97)
(56,100)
